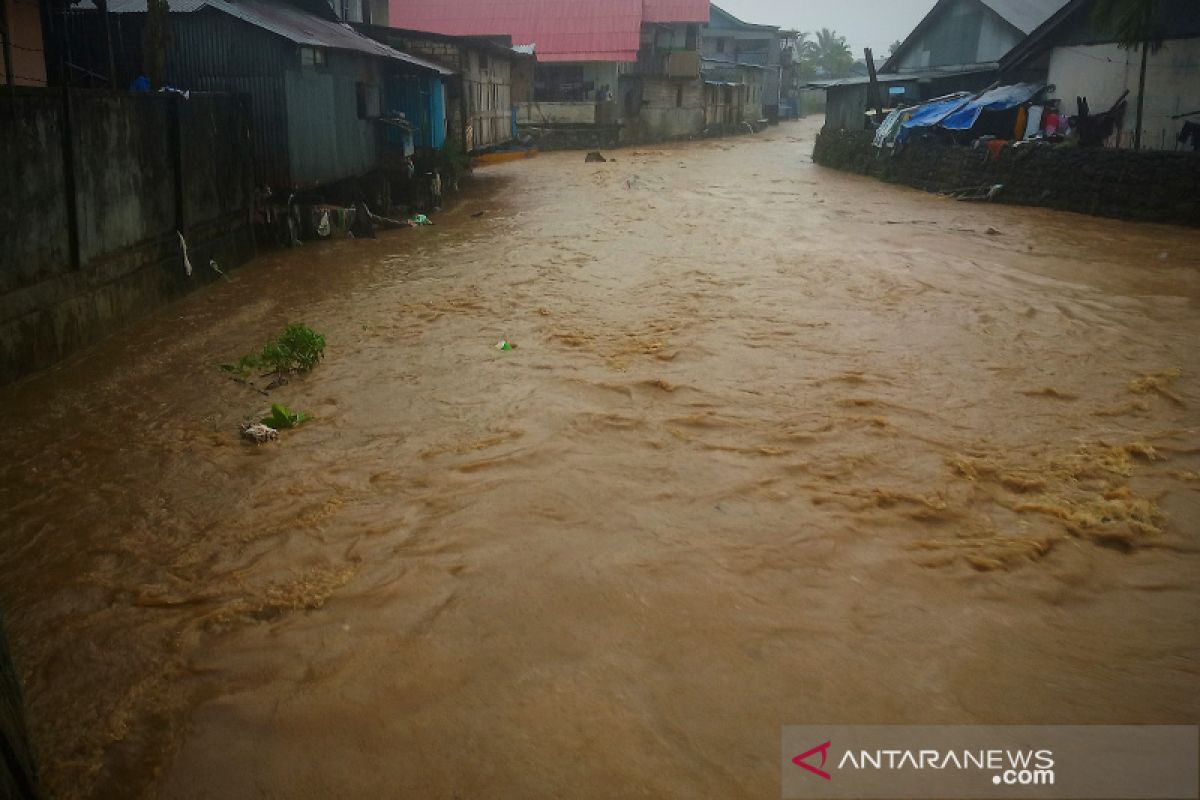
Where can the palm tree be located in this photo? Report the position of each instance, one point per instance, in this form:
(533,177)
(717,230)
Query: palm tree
(1132,23)
(795,47)
(832,53)
(806,48)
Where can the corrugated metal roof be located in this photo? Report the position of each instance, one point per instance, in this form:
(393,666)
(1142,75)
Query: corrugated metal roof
(287,21)
(1025,15)
(675,10)
(139,6)
(562,30)
(723,19)
(901,77)
(1172,19)
(720,63)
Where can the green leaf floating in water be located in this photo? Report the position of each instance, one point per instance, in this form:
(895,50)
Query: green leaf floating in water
(283,417)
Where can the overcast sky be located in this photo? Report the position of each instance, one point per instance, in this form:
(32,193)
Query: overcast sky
(864,23)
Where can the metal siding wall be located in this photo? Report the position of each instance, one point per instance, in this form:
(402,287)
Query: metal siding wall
(422,101)
(328,142)
(312,151)
(209,52)
(212,51)
(306,128)
(845,108)
(269,133)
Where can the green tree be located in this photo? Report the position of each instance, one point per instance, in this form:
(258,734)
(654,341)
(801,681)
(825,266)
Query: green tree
(833,55)
(1131,22)
(805,47)
(804,55)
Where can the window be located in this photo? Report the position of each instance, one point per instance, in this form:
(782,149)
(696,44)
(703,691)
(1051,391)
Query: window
(720,45)
(693,36)
(679,97)
(360,95)
(483,61)
(553,83)
(312,56)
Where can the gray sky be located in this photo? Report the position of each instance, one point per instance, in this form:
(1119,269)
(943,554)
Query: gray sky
(864,23)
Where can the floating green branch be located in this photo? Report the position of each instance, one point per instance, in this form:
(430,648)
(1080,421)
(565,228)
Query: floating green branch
(298,349)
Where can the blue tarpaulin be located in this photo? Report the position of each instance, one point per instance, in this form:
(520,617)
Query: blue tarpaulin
(999,99)
(933,112)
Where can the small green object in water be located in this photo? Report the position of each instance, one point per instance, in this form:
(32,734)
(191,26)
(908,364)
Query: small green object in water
(283,417)
(298,349)
(420,219)
(504,345)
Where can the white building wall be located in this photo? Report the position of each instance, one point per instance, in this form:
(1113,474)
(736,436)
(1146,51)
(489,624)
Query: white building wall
(1101,72)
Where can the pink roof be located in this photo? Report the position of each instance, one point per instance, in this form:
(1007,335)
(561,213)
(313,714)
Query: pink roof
(675,10)
(563,30)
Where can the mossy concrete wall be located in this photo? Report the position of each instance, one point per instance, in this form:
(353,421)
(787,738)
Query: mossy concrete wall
(1149,186)
(99,186)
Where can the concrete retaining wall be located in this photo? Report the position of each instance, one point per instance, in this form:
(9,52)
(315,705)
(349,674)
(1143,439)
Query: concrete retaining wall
(1150,186)
(99,184)
(556,113)
(573,137)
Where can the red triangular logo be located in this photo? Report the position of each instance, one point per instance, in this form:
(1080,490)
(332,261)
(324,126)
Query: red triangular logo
(823,749)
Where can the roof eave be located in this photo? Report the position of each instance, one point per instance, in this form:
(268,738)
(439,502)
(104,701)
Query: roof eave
(927,21)
(1029,46)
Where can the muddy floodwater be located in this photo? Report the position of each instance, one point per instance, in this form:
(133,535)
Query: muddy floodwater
(777,445)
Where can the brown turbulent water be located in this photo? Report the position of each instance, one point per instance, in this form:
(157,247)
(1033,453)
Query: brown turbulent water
(777,445)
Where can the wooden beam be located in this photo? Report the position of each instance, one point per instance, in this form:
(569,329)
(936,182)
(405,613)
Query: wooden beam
(874,98)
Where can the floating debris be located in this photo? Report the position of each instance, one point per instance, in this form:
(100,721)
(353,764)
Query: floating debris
(258,433)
